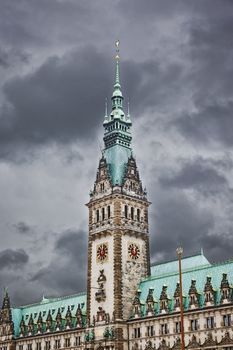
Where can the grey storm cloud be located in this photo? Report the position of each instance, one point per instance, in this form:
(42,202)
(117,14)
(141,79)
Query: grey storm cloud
(13,259)
(67,271)
(57,68)
(197,175)
(53,103)
(23,228)
(210,124)
(180,221)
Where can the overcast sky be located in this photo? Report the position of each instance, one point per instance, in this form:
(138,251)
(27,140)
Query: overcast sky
(56,69)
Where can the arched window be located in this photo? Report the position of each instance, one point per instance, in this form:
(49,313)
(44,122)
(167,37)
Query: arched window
(132,213)
(103,213)
(126,211)
(109,211)
(97,215)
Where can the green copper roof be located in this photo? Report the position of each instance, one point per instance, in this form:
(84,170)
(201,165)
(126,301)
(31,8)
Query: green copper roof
(46,304)
(117,158)
(196,267)
(171,266)
(117,136)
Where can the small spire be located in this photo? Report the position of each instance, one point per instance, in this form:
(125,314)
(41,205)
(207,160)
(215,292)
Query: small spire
(117,57)
(106,107)
(117,97)
(5,292)
(106,111)
(128,114)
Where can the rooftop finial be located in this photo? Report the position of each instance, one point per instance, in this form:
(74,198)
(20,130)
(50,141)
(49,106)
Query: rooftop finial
(106,107)
(106,111)
(117,57)
(128,114)
(117,43)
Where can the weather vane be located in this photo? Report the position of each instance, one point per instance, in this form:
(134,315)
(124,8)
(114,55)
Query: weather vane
(117,43)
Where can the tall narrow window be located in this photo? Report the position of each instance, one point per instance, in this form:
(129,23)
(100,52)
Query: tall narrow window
(109,211)
(97,215)
(138,214)
(178,326)
(227,320)
(103,213)
(132,213)
(126,211)
(47,345)
(77,341)
(210,322)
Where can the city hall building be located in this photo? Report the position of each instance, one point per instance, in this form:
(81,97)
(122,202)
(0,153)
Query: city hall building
(129,302)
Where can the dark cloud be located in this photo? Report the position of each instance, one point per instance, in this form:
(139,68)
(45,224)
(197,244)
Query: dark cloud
(13,259)
(178,221)
(197,175)
(176,68)
(53,104)
(211,55)
(23,228)
(210,124)
(26,23)
(67,271)
(64,99)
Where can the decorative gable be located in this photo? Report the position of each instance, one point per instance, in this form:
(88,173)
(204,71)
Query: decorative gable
(131,182)
(194,344)
(225,290)
(164,300)
(177,297)
(150,303)
(193,295)
(102,184)
(209,292)
(137,305)
(209,342)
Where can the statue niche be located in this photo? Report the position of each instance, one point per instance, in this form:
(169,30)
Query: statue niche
(100,295)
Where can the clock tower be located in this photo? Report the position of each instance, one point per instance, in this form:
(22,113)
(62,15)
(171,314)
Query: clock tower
(118,242)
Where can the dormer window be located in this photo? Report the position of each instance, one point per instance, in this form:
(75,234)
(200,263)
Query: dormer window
(209,292)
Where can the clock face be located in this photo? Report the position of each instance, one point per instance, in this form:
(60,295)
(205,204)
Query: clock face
(102,252)
(133,251)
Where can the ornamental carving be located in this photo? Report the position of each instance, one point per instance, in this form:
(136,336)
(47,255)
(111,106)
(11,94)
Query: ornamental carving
(193,295)
(164,300)
(100,295)
(149,345)
(150,302)
(209,341)
(163,345)
(137,304)
(194,344)
(226,340)
(209,291)
(225,289)
(177,344)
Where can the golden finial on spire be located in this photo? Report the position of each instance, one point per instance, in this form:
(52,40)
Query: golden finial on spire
(117,43)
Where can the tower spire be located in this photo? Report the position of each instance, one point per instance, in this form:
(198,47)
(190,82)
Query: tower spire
(117,57)
(117,97)
(106,111)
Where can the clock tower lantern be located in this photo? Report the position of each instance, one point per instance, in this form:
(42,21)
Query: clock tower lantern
(118,242)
